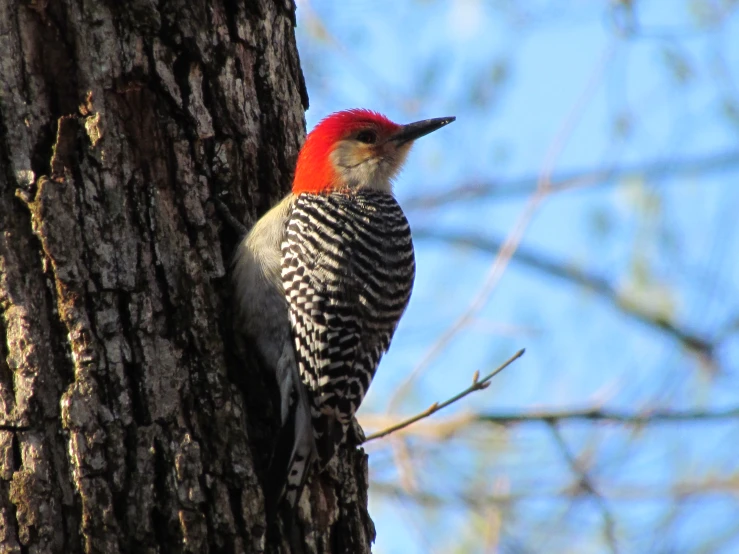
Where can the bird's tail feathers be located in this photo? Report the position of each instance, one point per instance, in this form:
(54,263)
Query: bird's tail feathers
(294,454)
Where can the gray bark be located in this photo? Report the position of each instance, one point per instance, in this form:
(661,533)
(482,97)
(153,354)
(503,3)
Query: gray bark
(130,421)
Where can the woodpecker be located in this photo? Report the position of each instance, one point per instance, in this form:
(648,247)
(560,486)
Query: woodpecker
(323,278)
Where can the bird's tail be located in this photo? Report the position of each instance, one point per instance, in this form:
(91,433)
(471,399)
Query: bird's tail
(293,456)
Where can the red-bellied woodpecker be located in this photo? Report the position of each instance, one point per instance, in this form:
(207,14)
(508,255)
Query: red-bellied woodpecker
(323,278)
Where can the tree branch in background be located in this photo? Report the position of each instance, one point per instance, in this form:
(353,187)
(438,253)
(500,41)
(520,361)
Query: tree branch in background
(585,483)
(477,384)
(524,186)
(597,414)
(594,283)
(678,492)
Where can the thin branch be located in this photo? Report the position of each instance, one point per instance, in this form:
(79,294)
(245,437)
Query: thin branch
(586,483)
(594,283)
(597,414)
(638,493)
(477,384)
(523,186)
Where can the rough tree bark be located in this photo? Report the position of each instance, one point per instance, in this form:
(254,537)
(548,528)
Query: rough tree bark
(122,428)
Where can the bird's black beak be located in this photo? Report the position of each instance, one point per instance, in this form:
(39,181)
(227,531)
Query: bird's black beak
(412,131)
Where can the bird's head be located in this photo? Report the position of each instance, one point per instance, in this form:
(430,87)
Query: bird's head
(357,149)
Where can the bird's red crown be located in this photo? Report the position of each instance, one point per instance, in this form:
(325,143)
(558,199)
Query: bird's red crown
(314,172)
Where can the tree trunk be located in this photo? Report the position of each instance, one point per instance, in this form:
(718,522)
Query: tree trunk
(122,428)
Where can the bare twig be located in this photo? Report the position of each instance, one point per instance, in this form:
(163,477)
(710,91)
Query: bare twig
(594,283)
(679,492)
(586,483)
(477,384)
(445,427)
(597,414)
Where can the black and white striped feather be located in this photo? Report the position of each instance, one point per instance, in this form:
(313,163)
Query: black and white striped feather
(347,271)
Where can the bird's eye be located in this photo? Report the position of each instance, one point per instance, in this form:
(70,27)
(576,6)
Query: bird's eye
(367,137)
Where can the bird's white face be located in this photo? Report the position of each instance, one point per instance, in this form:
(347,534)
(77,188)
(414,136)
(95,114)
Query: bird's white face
(368,160)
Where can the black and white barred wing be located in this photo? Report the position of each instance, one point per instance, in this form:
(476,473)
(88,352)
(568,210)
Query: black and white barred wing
(347,272)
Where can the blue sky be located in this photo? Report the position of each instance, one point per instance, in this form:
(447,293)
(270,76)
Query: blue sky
(537,84)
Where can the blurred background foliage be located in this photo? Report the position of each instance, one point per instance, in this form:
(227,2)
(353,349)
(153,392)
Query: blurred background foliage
(583,206)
